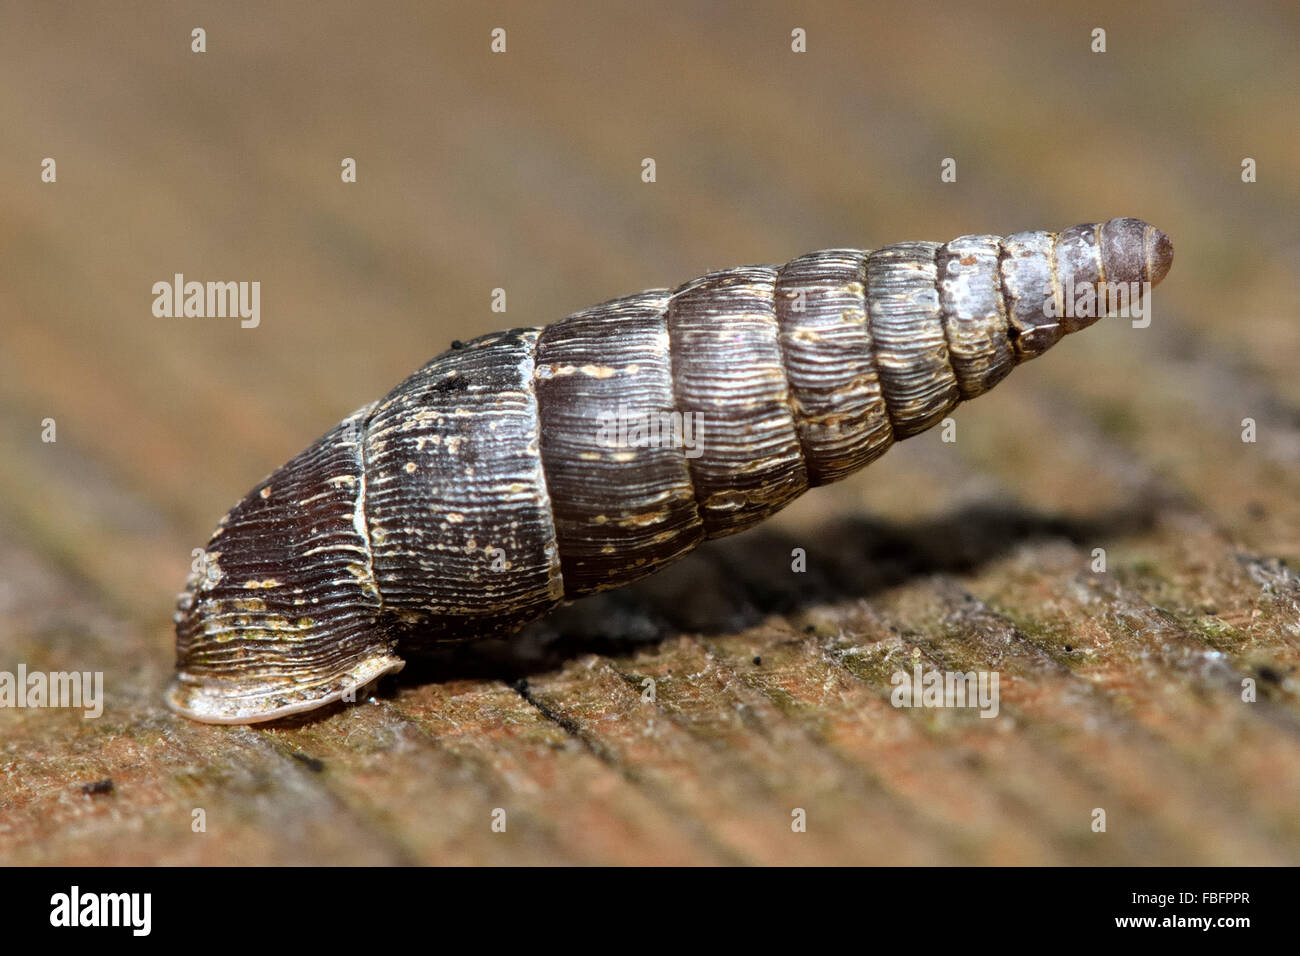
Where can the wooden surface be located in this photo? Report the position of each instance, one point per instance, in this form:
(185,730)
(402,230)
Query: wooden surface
(1119,690)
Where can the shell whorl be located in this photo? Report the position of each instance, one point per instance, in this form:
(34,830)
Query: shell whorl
(485,488)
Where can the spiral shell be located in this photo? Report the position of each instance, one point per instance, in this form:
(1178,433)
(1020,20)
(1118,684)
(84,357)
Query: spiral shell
(484,489)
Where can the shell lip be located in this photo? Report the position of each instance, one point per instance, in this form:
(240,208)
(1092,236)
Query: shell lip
(221,702)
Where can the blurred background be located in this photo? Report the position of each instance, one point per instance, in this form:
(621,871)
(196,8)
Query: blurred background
(522,170)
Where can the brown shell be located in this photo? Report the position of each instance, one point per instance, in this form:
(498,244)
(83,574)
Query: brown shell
(486,487)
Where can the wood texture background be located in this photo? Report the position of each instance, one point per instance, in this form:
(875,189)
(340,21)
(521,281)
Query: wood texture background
(1119,690)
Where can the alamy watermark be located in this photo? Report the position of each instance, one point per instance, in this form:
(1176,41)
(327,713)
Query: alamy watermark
(132,911)
(641,428)
(1092,300)
(208,300)
(78,689)
(921,688)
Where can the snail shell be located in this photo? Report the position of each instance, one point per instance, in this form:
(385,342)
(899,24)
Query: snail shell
(482,491)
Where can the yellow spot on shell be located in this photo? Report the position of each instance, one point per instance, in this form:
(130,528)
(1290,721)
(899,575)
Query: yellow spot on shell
(265,492)
(253,583)
(642,520)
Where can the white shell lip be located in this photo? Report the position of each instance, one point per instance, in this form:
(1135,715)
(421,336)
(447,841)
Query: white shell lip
(218,703)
